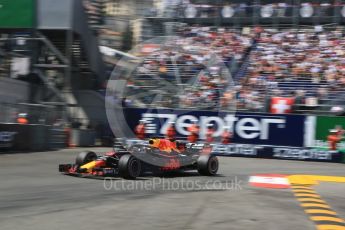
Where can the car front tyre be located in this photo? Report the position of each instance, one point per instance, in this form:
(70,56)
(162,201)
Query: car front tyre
(129,167)
(85,157)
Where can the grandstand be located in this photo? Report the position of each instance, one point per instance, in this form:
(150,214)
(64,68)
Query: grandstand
(189,66)
(289,34)
(265,63)
(65,55)
(298,60)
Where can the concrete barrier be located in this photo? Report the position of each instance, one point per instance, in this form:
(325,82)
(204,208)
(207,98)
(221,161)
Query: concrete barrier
(81,137)
(18,137)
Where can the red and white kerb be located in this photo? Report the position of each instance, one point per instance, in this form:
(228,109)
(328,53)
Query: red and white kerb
(269,181)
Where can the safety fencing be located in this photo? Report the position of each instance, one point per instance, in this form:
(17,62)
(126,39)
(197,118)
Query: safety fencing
(282,136)
(20,137)
(38,127)
(267,152)
(35,137)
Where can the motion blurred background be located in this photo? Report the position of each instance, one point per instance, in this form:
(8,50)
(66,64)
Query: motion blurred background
(56,58)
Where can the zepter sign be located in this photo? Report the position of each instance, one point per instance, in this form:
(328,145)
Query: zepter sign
(171,76)
(244,127)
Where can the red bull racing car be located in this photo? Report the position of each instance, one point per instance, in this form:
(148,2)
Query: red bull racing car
(156,156)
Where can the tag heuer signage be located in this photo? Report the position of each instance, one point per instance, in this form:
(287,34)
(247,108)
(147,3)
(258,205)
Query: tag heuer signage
(17,13)
(323,126)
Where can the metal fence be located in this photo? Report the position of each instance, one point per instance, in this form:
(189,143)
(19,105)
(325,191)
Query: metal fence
(34,113)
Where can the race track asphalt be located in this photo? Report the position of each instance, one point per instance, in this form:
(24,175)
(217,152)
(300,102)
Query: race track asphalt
(34,196)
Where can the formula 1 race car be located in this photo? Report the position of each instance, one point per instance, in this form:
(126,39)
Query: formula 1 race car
(158,156)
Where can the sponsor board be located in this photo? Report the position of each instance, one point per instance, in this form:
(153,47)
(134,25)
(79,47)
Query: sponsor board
(7,139)
(323,125)
(303,154)
(217,149)
(130,142)
(261,151)
(277,152)
(256,129)
(17,137)
(236,150)
(17,13)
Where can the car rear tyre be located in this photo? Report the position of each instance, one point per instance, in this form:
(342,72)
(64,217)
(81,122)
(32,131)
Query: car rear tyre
(208,165)
(129,167)
(85,157)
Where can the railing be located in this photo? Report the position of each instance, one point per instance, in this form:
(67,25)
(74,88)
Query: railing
(34,113)
(241,11)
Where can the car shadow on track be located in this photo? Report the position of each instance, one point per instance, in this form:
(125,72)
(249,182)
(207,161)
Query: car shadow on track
(176,174)
(149,176)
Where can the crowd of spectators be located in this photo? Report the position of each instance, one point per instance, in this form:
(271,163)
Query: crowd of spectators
(197,63)
(306,64)
(300,54)
(306,56)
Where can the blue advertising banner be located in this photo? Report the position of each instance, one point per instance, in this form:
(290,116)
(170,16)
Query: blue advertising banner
(18,137)
(247,128)
(264,151)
